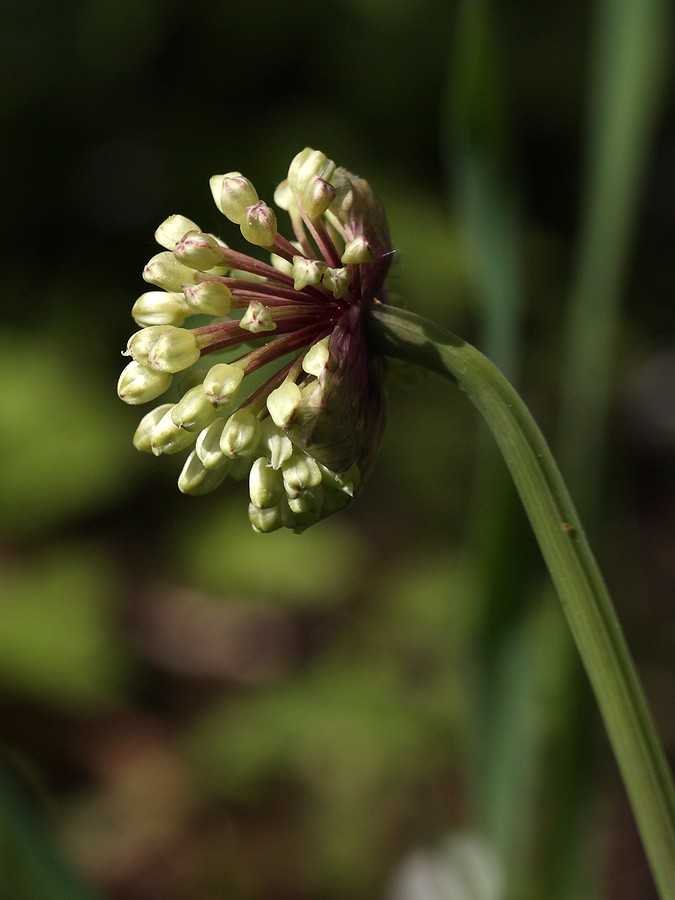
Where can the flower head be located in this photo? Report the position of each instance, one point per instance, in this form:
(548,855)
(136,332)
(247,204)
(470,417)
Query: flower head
(306,432)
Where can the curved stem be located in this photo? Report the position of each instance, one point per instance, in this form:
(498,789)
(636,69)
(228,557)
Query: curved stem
(572,566)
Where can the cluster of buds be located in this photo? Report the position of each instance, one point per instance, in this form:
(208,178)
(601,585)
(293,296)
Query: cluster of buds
(304,435)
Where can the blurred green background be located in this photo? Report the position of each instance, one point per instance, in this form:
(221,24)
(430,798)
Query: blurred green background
(388,705)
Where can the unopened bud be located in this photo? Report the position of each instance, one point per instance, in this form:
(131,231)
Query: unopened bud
(164,348)
(208,447)
(222,383)
(316,358)
(309,164)
(357,251)
(316,196)
(233,194)
(283,196)
(166,272)
(265,520)
(168,438)
(211,298)
(196,479)
(140,384)
(143,435)
(307,504)
(172,230)
(193,412)
(266,485)
(259,225)
(241,434)
(279,446)
(301,473)
(283,403)
(160,308)
(198,250)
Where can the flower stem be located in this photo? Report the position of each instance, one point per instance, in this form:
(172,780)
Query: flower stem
(571,564)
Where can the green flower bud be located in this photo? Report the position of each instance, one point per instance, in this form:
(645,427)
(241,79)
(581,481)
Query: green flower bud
(266,485)
(211,298)
(281,264)
(259,225)
(241,434)
(357,251)
(279,446)
(283,196)
(301,473)
(140,384)
(316,358)
(307,271)
(143,435)
(257,317)
(337,282)
(166,272)
(232,193)
(307,504)
(283,403)
(222,383)
(266,520)
(307,165)
(208,447)
(198,251)
(172,230)
(168,438)
(193,411)
(160,308)
(164,348)
(316,197)
(196,479)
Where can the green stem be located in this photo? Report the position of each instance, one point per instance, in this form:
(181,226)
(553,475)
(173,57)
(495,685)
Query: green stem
(572,566)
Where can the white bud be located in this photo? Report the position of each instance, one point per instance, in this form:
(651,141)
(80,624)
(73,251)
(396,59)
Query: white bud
(316,358)
(232,193)
(266,520)
(301,473)
(196,479)
(198,250)
(143,435)
(166,272)
(168,438)
(160,308)
(222,383)
(140,384)
(241,434)
(357,251)
(283,403)
(211,298)
(193,411)
(266,485)
(164,348)
(172,230)
(208,447)
(279,446)
(259,225)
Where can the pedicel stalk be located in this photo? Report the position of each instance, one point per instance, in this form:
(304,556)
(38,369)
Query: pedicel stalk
(308,329)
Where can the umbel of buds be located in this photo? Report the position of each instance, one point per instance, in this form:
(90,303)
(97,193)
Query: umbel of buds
(306,431)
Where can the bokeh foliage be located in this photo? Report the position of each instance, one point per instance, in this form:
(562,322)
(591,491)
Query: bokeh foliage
(390,700)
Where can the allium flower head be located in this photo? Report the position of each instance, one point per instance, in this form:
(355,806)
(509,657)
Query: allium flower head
(305,433)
